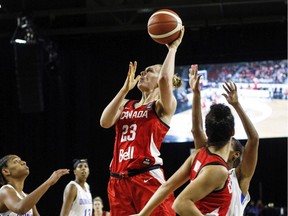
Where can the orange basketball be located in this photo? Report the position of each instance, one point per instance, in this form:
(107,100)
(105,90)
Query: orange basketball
(164,26)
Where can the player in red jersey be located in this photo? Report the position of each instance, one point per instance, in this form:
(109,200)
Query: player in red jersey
(140,126)
(242,161)
(209,190)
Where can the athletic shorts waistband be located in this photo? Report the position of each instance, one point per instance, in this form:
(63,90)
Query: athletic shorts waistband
(133,172)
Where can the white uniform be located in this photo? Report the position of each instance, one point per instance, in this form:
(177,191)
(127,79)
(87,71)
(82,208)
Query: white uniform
(82,205)
(9,213)
(238,201)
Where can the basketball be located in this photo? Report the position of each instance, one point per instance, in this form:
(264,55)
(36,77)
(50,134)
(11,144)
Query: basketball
(164,26)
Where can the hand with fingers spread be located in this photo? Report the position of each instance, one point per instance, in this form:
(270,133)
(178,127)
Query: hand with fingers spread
(56,175)
(231,92)
(194,78)
(138,123)
(131,81)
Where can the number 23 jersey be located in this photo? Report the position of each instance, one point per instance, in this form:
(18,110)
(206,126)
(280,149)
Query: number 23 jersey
(139,135)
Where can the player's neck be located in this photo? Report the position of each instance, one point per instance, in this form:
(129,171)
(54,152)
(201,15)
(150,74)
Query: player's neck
(17,185)
(146,99)
(223,151)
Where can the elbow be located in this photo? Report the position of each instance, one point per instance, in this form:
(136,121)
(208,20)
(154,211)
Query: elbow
(165,78)
(105,124)
(182,206)
(21,210)
(194,131)
(197,131)
(255,138)
(177,206)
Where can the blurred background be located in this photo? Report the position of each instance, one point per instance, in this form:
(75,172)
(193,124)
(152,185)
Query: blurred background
(72,58)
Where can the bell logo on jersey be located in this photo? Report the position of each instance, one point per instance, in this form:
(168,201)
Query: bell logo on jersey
(134,114)
(126,155)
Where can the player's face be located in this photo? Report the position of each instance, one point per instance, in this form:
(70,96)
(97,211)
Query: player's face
(234,154)
(231,154)
(82,170)
(149,78)
(17,167)
(97,205)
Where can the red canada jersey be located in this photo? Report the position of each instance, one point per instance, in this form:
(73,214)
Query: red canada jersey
(139,135)
(217,202)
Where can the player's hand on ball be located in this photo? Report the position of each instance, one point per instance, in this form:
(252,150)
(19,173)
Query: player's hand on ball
(178,41)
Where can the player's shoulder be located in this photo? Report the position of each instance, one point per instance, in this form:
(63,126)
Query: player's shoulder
(217,171)
(72,185)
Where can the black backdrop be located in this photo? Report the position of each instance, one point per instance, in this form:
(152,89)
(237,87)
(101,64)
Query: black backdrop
(81,81)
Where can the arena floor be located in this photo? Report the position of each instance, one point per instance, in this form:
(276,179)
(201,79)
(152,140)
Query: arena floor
(269,116)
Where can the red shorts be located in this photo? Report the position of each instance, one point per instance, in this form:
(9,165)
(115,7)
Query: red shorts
(129,195)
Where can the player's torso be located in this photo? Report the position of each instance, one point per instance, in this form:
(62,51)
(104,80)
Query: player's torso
(238,201)
(139,134)
(217,202)
(82,204)
(9,213)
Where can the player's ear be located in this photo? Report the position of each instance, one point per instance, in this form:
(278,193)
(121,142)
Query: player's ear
(5,172)
(235,155)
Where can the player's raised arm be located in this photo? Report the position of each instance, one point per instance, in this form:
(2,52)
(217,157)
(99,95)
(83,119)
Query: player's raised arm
(247,166)
(114,108)
(198,132)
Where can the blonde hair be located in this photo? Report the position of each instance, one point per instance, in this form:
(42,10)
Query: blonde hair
(97,198)
(177,82)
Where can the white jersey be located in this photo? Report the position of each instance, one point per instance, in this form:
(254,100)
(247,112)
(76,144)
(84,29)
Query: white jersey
(9,213)
(238,201)
(82,205)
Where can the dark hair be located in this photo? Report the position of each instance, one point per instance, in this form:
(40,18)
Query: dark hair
(3,164)
(219,124)
(77,161)
(237,146)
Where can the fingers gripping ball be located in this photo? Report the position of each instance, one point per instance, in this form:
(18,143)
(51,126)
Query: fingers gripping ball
(164,26)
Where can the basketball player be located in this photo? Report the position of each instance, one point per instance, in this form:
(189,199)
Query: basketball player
(208,191)
(135,169)
(98,207)
(241,171)
(13,201)
(77,199)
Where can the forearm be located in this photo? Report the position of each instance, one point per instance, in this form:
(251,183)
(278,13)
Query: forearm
(158,197)
(165,82)
(31,199)
(197,122)
(110,113)
(247,124)
(167,70)
(35,211)
(186,208)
